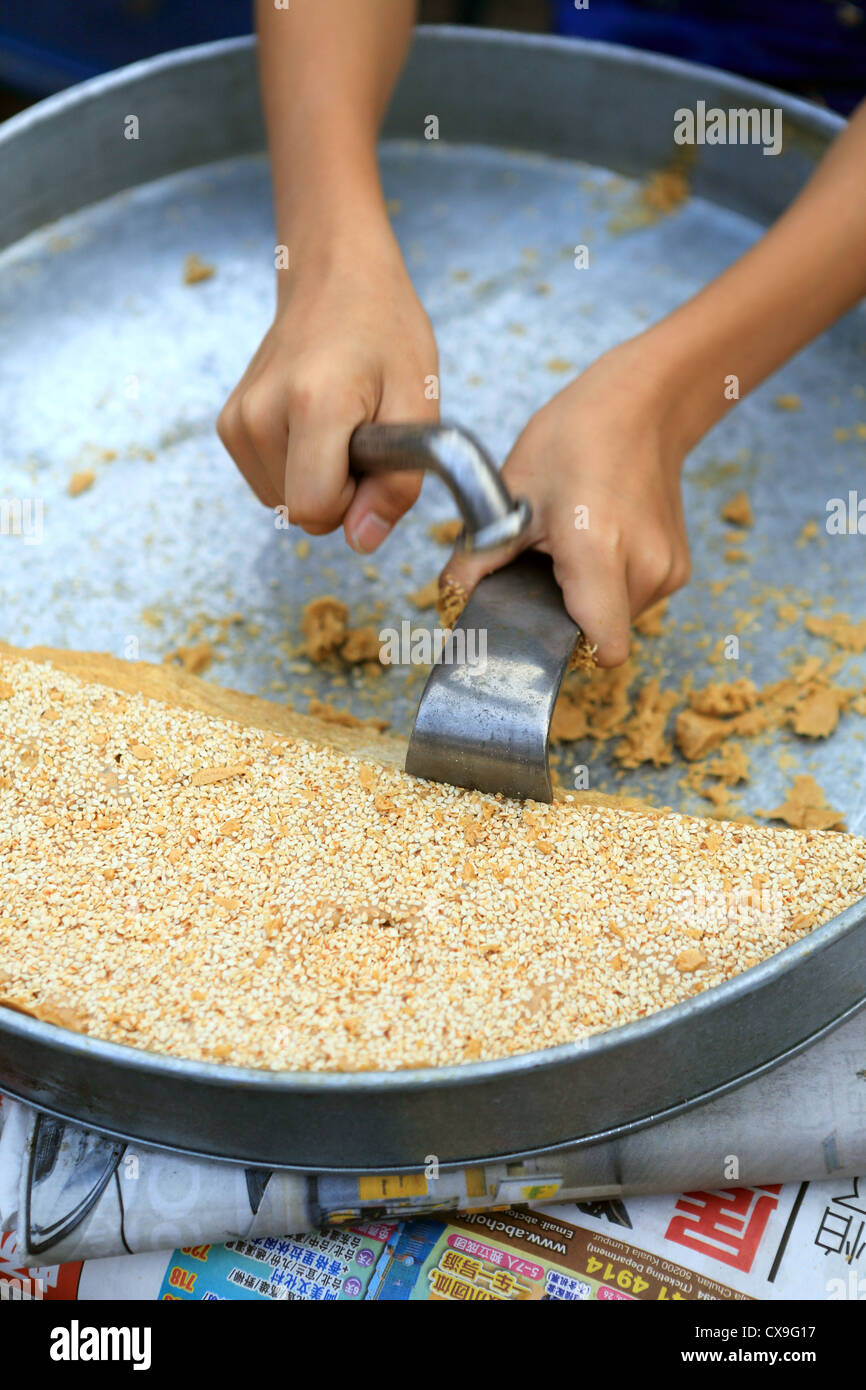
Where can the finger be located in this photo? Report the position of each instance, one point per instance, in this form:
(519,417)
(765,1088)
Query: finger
(381,500)
(238,445)
(596,595)
(318,486)
(466,568)
(265,429)
(378,504)
(648,591)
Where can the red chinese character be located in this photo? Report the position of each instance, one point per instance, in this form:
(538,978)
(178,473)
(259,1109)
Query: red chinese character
(61,1281)
(726,1225)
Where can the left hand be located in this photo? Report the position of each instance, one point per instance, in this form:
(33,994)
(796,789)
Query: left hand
(600,466)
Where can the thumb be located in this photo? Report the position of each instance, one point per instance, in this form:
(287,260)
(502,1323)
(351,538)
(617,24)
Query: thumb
(466,568)
(378,504)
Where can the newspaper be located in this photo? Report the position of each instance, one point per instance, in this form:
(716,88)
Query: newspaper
(69,1199)
(799,1241)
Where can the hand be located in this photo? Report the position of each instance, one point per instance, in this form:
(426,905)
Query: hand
(600,465)
(350,343)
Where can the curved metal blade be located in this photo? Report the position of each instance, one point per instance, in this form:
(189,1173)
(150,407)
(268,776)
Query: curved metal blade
(484,717)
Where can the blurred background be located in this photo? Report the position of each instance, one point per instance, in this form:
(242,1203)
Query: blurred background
(816,48)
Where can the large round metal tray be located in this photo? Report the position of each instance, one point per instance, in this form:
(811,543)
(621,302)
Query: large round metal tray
(103,348)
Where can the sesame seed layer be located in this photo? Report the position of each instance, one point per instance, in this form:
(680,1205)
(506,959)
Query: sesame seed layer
(267,890)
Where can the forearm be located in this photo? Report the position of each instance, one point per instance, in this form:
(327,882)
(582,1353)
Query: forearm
(806,271)
(327,71)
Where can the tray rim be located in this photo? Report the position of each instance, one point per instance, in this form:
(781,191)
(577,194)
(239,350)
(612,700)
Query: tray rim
(811,119)
(822,119)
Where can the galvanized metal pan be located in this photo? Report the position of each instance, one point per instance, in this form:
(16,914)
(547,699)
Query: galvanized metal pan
(617,1081)
(488,216)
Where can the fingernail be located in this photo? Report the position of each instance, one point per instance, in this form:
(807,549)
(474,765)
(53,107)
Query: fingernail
(370,532)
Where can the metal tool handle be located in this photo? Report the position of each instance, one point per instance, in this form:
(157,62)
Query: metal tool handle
(490,514)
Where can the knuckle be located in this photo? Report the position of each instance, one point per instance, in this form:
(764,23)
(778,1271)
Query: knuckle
(254,415)
(311,505)
(226,425)
(678,574)
(317,387)
(659,572)
(605,543)
(683,570)
(655,561)
(302,393)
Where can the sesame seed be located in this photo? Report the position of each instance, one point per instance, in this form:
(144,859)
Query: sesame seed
(216,878)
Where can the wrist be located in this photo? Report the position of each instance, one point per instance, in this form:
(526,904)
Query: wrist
(334,252)
(683,384)
(333,234)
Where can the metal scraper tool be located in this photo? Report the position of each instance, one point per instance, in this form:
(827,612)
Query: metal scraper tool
(483,722)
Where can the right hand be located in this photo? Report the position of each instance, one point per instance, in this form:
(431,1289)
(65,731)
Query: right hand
(350,343)
(609,446)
